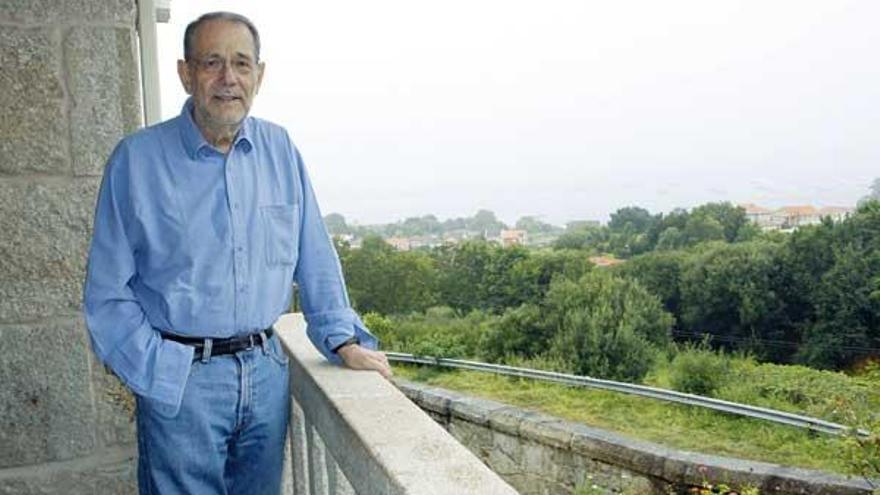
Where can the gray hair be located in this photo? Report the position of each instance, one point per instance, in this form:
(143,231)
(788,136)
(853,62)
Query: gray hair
(190,34)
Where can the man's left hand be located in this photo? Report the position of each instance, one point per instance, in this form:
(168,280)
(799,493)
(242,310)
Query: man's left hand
(360,358)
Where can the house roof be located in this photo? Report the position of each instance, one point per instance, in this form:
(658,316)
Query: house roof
(605,261)
(835,210)
(753,209)
(512,234)
(798,210)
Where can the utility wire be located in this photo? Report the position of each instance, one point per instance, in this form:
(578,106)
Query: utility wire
(768,342)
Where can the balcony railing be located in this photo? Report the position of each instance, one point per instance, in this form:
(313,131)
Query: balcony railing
(354,432)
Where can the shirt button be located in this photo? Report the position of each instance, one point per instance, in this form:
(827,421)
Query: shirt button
(239,249)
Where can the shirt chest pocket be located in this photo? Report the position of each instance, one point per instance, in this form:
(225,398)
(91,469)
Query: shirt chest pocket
(281,233)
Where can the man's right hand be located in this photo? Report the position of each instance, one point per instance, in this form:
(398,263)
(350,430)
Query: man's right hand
(360,358)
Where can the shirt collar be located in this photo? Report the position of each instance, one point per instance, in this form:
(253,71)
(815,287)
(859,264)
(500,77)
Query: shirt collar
(192,137)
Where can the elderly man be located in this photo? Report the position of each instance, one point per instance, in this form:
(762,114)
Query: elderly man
(202,225)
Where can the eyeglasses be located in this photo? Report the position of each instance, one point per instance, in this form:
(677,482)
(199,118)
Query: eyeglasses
(215,65)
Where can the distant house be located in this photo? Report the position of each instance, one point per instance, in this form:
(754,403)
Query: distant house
(399,243)
(423,241)
(760,216)
(513,237)
(456,236)
(792,217)
(603,261)
(836,213)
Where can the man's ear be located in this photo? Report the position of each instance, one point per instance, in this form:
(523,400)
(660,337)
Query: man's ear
(261,69)
(184,74)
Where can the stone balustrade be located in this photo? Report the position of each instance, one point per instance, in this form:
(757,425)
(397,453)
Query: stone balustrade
(355,432)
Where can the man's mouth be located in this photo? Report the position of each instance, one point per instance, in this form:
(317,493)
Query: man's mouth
(226,98)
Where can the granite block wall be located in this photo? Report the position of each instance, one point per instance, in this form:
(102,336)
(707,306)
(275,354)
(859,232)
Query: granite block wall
(70,90)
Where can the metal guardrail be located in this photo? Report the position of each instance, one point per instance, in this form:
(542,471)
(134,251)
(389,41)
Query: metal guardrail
(791,419)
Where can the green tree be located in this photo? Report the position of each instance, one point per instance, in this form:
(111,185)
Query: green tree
(702,228)
(731,218)
(847,310)
(592,239)
(461,269)
(484,221)
(599,325)
(660,274)
(386,281)
(671,238)
(530,276)
(676,218)
(499,289)
(477,275)
(733,292)
(607,326)
(806,255)
(833,280)
(874,195)
(628,242)
(534,226)
(453,224)
(336,224)
(635,218)
(424,225)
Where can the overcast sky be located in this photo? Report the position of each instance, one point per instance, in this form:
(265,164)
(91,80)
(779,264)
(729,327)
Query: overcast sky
(565,109)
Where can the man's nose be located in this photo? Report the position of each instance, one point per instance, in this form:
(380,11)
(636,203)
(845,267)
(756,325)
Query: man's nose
(227,74)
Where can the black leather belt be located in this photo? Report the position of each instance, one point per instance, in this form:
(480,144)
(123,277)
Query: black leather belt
(219,347)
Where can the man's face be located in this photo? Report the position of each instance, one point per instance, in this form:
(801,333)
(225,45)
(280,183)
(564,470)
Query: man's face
(223,77)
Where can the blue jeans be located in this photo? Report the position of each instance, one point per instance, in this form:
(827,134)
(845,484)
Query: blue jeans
(228,435)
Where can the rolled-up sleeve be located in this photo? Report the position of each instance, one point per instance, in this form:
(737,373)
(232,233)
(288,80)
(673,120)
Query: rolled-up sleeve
(120,333)
(328,313)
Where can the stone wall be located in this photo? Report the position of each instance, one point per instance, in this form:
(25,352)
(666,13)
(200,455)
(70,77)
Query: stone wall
(70,90)
(541,454)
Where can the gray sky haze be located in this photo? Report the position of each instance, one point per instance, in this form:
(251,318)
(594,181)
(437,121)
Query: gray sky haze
(564,109)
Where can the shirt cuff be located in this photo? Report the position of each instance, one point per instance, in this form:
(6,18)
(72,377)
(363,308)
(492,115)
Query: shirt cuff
(158,372)
(330,329)
(175,359)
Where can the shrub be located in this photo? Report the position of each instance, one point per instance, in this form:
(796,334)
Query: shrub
(438,332)
(381,327)
(824,394)
(698,370)
(524,332)
(863,452)
(606,326)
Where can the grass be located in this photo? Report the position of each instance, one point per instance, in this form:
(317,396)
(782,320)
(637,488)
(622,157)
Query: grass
(682,427)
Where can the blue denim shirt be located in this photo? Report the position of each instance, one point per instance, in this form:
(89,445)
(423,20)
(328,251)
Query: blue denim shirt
(194,242)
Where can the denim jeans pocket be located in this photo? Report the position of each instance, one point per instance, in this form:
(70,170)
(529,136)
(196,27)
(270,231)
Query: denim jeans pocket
(276,351)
